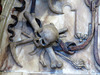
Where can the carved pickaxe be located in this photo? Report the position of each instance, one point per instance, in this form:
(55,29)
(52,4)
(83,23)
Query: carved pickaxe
(11,46)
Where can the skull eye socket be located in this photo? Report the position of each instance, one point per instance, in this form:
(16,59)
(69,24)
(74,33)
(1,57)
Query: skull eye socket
(38,34)
(43,42)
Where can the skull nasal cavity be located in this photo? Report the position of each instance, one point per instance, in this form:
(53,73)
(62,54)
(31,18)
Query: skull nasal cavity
(43,42)
(37,41)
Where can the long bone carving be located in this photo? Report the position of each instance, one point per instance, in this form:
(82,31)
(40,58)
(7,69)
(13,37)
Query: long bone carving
(32,19)
(42,60)
(55,62)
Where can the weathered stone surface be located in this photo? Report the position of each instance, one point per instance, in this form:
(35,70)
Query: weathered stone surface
(31,63)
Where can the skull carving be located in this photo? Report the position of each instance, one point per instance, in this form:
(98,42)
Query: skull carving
(46,35)
(43,36)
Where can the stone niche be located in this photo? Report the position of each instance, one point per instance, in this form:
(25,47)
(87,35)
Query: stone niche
(31,64)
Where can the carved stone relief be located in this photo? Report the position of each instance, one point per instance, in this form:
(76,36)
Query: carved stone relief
(53,37)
